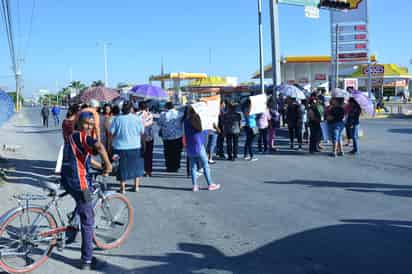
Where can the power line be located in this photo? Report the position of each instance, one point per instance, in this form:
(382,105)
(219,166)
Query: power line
(19,33)
(9,32)
(26,50)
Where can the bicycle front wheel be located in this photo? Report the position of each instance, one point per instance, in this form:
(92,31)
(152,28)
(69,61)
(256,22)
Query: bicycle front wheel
(113,221)
(25,241)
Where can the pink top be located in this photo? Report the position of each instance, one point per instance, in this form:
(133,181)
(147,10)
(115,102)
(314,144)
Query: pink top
(263,120)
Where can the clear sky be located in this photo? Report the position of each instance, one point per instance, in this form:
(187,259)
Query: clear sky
(65,35)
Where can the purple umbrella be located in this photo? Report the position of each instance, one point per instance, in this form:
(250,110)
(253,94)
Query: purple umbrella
(364,102)
(149,92)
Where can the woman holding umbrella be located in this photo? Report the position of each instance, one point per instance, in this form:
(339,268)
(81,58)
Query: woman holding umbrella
(353,124)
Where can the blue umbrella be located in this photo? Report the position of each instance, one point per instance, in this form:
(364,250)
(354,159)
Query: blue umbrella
(6,107)
(149,92)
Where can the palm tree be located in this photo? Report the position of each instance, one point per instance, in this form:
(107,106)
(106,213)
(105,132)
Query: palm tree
(78,86)
(122,85)
(98,83)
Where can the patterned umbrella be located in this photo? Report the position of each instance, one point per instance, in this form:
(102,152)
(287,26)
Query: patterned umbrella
(292,91)
(340,93)
(364,102)
(101,94)
(6,107)
(149,92)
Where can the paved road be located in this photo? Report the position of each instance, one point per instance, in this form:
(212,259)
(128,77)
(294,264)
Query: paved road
(286,213)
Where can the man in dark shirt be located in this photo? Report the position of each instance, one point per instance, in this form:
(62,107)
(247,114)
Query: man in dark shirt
(45,112)
(294,118)
(231,129)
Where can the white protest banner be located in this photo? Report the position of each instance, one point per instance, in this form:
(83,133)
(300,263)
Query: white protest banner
(258,104)
(208,110)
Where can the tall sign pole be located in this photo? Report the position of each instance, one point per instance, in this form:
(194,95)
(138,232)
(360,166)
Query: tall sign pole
(337,57)
(262,68)
(274,26)
(369,52)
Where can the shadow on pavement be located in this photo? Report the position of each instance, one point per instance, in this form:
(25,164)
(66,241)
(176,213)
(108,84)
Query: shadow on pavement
(356,247)
(43,131)
(167,187)
(401,130)
(29,172)
(388,189)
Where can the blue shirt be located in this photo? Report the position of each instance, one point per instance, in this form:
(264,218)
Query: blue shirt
(251,121)
(56,111)
(126,131)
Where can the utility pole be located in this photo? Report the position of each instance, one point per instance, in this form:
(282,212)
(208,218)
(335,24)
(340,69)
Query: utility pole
(369,53)
(18,85)
(57,91)
(274,24)
(162,72)
(337,56)
(262,68)
(106,73)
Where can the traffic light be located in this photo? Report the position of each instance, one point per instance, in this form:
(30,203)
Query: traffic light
(339,4)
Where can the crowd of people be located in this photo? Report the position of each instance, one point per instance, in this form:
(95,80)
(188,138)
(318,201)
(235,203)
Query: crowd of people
(128,131)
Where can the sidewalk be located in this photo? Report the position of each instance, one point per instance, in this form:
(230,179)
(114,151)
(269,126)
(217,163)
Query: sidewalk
(15,151)
(34,160)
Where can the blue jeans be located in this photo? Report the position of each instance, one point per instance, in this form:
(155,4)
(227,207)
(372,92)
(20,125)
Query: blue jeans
(336,130)
(354,131)
(56,120)
(211,143)
(202,159)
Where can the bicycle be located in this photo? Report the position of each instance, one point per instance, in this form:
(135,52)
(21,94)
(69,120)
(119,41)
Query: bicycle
(28,233)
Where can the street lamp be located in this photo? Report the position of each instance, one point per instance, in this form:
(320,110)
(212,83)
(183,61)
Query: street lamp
(106,73)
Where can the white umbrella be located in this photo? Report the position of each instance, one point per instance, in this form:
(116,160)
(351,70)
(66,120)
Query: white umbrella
(292,91)
(340,93)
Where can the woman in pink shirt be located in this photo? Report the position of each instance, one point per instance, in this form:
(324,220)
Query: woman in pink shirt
(263,125)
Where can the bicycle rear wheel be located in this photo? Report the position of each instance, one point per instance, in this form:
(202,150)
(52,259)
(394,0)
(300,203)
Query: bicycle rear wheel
(22,246)
(113,221)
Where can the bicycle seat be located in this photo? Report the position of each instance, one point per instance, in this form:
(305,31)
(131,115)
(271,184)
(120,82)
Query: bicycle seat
(50,186)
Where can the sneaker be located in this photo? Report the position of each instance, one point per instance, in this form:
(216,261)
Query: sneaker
(71,235)
(341,154)
(213,187)
(247,158)
(254,159)
(211,162)
(195,188)
(198,173)
(95,264)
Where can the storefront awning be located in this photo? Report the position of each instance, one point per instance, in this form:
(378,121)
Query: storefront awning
(382,71)
(178,76)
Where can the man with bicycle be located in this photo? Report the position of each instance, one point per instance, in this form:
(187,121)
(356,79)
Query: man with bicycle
(77,180)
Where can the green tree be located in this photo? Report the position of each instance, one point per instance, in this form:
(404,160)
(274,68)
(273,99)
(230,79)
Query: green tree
(13,95)
(78,86)
(98,83)
(122,85)
(247,84)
